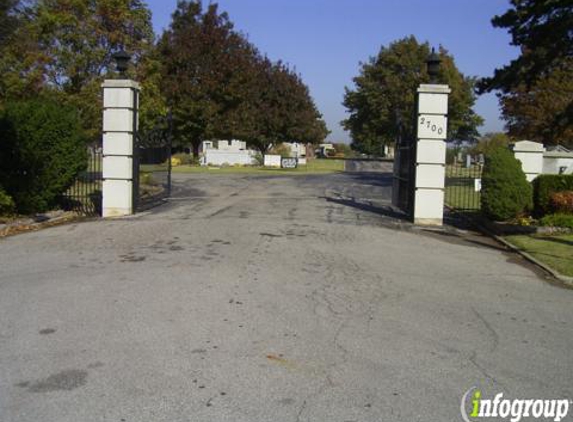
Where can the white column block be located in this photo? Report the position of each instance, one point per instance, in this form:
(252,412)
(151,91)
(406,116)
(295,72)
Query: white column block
(430,176)
(432,129)
(432,103)
(429,208)
(120,115)
(117,198)
(530,154)
(117,167)
(118,98)
(118,120)
(118,143)
(431,152)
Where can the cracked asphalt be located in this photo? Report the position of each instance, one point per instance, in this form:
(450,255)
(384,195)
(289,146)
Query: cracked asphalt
(250,298)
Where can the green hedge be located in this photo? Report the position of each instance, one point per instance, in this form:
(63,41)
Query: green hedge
(546,184)
(505,191)
(558,220)
(7,205)
(41,153)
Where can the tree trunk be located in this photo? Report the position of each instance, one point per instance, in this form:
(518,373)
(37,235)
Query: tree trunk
(196,145)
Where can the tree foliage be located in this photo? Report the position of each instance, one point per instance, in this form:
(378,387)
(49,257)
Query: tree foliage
(542,29)
(278,108)
(505,193)
(540,112)
(535,89)
(220,86)
(384,96)
(8,19)
(490,141)
(42,152)
(65,47)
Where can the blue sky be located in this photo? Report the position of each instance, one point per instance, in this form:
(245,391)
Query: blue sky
(326,39)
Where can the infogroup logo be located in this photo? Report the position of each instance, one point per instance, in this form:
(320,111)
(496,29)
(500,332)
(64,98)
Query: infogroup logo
(475,407)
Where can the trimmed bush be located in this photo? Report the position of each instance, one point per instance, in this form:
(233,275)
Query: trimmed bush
(183,158)
(558,220)
(41,153)
(544,186)
(7,206)
(505,191)
(281,149)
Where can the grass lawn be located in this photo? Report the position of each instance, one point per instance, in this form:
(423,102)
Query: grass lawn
(555,251)
(460,188)
(318,166)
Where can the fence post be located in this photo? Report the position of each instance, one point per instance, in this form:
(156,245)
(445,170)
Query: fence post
(530,154)
(120,120)
(432,128)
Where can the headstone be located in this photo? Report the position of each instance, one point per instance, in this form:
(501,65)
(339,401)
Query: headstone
(468,161)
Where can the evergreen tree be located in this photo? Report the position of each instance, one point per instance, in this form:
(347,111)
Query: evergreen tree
(384,96)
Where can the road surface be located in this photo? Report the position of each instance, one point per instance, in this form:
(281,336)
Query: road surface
(249,298)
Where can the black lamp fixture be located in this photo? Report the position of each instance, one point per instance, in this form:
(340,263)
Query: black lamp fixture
(433,62)
(121,59)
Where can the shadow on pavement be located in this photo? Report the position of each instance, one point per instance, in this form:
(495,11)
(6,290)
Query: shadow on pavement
(372,178)
(387,211)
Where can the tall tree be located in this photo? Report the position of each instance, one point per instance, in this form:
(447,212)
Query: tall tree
(535,88)
(543,31)
(539,113)
(382,103)
(222,88)
(204,61)
(8,19)
(279,108)
(65,46)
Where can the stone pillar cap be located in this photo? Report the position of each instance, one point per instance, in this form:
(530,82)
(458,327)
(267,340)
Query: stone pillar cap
(120,83)
(528,146)
(434,89)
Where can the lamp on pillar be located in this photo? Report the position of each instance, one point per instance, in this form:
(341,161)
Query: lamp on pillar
(121,59)
(433,62)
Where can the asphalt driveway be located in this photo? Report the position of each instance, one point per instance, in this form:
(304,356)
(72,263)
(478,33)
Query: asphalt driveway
(301,298)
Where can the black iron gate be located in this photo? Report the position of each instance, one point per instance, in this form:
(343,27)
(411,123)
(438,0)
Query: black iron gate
(152,164)
(404,185)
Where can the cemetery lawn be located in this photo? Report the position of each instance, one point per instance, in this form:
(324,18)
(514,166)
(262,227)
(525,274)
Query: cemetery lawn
(555,251)
(318,166)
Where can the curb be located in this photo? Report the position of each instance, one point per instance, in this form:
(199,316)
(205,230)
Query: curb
(566,280)
(15,229)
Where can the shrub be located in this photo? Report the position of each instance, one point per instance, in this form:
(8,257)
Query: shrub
(41,153)
(182,159)
(281,149)
(259,159)
(7,206)
(558,220)
(505,191)
(562,201)
(544,186)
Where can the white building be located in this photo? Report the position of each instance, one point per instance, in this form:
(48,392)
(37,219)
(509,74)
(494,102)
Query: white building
(232,145)
(536,160)
(232,153)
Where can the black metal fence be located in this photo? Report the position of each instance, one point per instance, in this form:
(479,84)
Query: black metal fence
(152,165)
(463,184)
(84,196)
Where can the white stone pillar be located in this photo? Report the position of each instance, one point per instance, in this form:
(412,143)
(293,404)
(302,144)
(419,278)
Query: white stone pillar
(530,154)
(120,119)
(432,128)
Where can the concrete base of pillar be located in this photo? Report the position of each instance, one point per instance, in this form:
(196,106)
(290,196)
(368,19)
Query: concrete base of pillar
(117,198)
(429,221)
